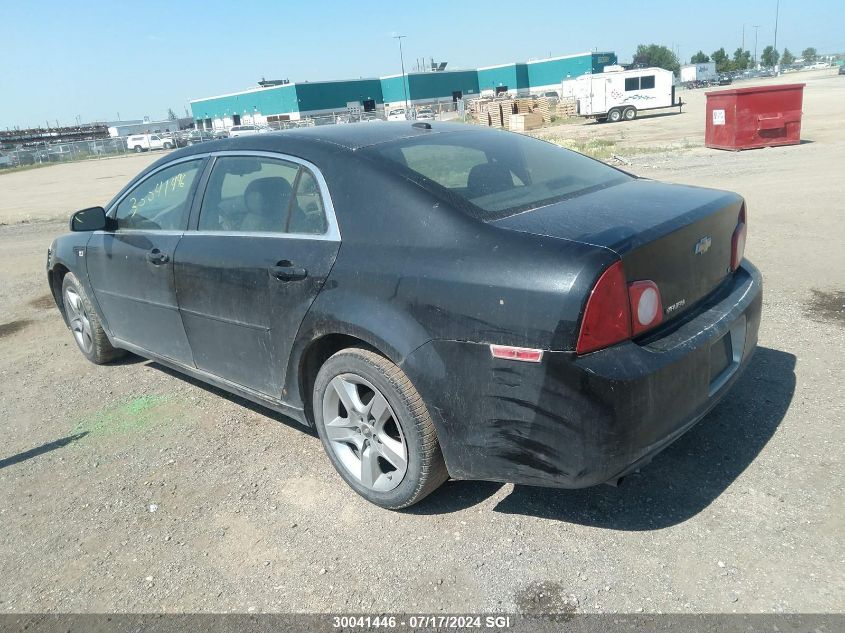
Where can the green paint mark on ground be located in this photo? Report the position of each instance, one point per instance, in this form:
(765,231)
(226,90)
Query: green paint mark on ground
(137,414)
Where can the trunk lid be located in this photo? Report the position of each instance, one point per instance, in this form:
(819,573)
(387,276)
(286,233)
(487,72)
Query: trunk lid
(675,235)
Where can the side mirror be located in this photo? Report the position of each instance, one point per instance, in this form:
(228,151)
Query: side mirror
(93,219)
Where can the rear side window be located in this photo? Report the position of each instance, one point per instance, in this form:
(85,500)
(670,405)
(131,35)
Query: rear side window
(647,82)
(492,175)
(247,194)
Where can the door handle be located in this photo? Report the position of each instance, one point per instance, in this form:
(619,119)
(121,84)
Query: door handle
(157,258)
(286,271)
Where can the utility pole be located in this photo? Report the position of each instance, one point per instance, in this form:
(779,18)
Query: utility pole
(777,12)
(743,38)
(402,61)
(756,26)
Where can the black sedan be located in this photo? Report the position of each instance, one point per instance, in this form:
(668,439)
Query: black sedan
(437,300)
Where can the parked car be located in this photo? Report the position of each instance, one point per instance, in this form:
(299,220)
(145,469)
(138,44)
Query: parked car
(552,96)
(482,320)
(396,114)
(198,136)
(5,161)
(145,142)
(425,113)
(244,130)
(842,69)
(725,80)
(59,152)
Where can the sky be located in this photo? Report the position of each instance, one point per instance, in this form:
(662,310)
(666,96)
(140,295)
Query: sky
(104,60)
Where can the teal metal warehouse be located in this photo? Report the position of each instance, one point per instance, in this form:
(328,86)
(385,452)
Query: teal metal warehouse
(540,75)
(297,100)
(285,102)
(430,87)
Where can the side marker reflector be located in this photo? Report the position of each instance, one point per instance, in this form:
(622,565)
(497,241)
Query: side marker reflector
(524,354)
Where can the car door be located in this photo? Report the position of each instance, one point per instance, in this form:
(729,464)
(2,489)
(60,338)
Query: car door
(130,268)
(263,242)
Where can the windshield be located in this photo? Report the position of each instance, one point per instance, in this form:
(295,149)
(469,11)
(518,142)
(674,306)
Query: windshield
(494,175)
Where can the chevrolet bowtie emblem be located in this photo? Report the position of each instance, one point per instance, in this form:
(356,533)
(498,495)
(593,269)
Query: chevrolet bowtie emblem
(703,245)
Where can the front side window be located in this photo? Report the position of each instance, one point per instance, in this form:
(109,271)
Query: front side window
(632,83)
(261,194)
(494,175)
(160,202)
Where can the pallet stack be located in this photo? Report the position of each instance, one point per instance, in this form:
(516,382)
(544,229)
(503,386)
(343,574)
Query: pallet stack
(544,107)
(524,105)
(565,108)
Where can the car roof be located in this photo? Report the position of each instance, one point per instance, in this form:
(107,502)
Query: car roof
(347,136)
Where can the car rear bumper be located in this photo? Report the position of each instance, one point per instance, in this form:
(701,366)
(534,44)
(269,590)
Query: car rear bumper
(573,421)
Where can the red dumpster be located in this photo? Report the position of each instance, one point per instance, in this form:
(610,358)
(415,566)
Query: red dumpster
(745,118)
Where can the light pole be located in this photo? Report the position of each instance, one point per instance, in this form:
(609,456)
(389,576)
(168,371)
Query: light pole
(756,26)
(402,61)
(777,12)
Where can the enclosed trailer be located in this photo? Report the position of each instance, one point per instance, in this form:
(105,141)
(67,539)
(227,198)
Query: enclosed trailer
(621,94)
(698,73)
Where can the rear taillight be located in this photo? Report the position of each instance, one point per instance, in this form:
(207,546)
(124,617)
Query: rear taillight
(738,240)
(607,317)
(646,306)
(617,311)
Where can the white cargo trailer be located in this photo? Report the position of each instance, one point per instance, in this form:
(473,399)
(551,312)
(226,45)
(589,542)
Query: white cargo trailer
(693,73)
(621,94)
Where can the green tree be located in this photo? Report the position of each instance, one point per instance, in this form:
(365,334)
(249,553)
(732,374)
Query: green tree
(809,55)
(723,62)
(769,57)
(699,58)
(742,59)
(657,55)
(787,59)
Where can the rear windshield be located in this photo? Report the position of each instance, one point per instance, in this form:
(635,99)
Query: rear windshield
(496,174)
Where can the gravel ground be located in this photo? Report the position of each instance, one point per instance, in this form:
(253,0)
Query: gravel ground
(131,488)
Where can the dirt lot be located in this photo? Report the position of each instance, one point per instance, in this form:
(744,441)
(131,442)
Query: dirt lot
(129,488)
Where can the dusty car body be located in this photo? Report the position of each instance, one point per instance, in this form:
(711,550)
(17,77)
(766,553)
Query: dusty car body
(559,328)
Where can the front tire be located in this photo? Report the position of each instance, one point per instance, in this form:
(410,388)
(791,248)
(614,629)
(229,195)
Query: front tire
(84,323)
(376,429)
(614,116)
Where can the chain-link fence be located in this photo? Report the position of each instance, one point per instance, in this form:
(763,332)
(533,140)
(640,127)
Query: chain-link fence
(44,152)
(398,112)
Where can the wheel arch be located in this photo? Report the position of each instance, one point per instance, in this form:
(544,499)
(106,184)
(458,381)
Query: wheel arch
(55,277)
(302,370)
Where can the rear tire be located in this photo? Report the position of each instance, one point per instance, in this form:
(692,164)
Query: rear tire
(84,323)
(614,116)
(138,149)
(376,429)
(629,114)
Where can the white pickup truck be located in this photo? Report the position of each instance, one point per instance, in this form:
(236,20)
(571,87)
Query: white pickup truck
(146,142)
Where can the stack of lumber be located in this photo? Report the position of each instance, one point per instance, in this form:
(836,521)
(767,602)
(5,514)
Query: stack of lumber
(525,122)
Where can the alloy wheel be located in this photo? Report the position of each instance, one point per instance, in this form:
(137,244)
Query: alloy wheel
(364,433)
(80,324)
